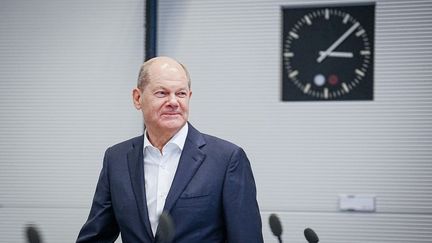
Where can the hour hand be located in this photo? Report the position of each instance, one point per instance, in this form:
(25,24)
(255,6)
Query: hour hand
(337,54)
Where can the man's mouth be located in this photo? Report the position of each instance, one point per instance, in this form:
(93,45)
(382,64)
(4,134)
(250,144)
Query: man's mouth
(170,114)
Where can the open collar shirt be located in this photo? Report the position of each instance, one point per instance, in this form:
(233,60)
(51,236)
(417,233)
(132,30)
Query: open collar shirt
(159,170)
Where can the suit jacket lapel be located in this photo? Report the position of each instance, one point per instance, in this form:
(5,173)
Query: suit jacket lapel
(190,160)
(136,172)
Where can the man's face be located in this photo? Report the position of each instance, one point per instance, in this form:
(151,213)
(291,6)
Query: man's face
(165,99)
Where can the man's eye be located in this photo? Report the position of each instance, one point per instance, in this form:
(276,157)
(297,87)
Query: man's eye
(160,94)
(182,94)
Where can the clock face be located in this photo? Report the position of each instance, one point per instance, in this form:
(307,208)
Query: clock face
(327,53)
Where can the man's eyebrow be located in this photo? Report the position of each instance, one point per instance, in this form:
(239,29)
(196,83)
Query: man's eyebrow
(159,87)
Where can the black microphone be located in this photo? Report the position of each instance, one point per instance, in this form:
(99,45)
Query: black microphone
(311,236)
(276,226)
(165,231)
(32,234)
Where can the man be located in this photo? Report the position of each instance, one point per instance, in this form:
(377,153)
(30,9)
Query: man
(203,182)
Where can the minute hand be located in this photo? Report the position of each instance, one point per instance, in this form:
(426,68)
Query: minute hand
(337,43)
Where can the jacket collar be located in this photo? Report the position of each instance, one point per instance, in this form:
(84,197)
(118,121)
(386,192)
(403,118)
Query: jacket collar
(190,160)
(136,172)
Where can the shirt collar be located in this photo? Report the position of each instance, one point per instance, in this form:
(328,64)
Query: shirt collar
(178,139)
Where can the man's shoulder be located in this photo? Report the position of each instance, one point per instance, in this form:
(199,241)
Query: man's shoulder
(212,141)
(219,145)
(221,149)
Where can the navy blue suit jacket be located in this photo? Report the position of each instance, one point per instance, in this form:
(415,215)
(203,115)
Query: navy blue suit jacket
(212,197)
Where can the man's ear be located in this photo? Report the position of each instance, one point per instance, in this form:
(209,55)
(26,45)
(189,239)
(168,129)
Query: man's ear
(136,98)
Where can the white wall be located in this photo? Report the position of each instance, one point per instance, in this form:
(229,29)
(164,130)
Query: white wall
(306,153)
(67,69)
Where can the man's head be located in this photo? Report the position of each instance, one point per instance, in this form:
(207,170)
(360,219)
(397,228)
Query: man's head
(143,75)
(162,94)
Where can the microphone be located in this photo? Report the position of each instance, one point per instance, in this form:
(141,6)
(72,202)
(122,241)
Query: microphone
(276,226)
(32,234)
(165,231)
(310,235)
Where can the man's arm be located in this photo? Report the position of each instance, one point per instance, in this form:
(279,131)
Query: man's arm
(101,225)
(242,217)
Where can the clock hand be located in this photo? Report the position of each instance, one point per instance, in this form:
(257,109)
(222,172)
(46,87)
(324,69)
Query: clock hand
(338,54)
(337,42)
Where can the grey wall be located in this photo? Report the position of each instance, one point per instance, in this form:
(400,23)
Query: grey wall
(305,154)
(67,69)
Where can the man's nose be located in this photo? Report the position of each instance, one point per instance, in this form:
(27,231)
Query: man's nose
(173,100)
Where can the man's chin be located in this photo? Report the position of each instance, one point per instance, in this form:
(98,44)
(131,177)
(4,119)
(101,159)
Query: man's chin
(173,124)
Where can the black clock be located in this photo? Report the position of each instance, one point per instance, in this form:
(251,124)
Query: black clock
(328,52)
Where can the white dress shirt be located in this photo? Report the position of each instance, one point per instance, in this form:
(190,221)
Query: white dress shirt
(159,171)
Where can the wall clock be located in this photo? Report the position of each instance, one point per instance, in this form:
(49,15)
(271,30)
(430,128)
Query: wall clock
(328,52)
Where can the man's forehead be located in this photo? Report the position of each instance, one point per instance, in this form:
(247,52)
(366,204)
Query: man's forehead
(165,81)
(167,76)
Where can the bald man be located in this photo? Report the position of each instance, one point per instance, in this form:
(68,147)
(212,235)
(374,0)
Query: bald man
(203,182)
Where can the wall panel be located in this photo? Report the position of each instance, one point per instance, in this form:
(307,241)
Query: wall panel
(304,154)
(67,69)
